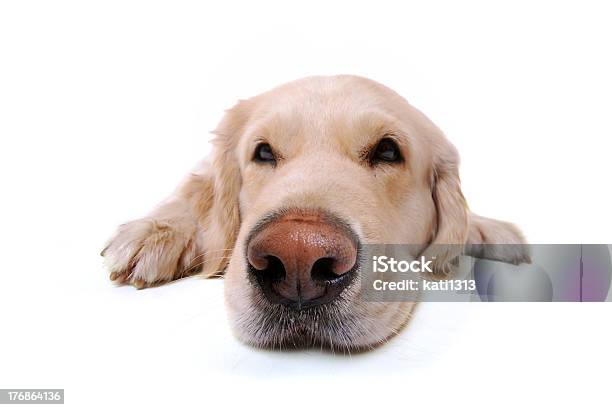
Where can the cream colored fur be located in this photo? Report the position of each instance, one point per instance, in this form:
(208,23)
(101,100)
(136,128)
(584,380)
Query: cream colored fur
(320,126)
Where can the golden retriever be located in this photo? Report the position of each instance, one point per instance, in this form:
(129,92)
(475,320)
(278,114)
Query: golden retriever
(300,177)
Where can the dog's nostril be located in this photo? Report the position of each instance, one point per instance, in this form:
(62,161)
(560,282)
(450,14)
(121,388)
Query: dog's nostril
(273,269)
(322,270)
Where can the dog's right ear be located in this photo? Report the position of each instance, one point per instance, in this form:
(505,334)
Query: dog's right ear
(219,201)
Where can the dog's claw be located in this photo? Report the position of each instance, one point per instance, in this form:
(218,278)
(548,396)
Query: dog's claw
(119,277)
(122,278)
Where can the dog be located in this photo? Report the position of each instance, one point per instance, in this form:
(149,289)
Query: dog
(300,177)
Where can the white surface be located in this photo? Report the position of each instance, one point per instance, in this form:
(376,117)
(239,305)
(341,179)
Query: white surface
(104,106)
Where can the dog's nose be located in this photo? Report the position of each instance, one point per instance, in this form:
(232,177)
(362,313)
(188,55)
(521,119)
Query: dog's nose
(301,260)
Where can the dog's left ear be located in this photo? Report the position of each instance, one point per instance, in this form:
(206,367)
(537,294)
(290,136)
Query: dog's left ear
(459,231)
(452,222)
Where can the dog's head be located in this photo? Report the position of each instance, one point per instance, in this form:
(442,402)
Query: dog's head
(303,176)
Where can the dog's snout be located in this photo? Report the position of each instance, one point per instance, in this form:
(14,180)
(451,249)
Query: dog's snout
(302,260)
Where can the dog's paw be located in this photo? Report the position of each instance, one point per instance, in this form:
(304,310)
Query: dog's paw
(150,251)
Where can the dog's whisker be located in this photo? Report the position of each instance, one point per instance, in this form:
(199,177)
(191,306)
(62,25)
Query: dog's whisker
(203,254)
(197,265)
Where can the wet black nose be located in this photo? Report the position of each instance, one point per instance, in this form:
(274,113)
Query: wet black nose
(302,260)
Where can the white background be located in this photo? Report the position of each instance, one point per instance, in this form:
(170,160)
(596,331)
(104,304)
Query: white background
(105,105)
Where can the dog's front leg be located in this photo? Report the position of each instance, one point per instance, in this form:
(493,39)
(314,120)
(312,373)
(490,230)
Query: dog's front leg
(168,243)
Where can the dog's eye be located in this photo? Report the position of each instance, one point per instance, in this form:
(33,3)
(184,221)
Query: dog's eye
(264,153)
(386,151)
